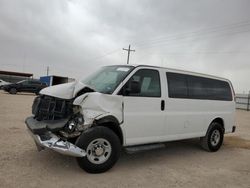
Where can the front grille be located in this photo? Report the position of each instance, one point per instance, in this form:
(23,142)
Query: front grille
(51,108)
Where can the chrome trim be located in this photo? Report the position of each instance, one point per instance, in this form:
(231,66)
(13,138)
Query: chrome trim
(58,145)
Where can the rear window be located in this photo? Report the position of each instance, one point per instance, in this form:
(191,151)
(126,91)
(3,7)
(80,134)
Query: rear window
(205,88)
(195,87)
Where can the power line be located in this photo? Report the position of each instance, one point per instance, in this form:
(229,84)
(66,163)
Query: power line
(208,52)
(129,50)
(197,37)
(201,31)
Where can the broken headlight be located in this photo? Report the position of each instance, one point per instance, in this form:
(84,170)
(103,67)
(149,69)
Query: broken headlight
(75,123)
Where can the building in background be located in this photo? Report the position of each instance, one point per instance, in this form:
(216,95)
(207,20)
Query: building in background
(14,77)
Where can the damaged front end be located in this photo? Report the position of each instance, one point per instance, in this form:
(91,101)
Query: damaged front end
(57,122)
(52,141)
(54,121)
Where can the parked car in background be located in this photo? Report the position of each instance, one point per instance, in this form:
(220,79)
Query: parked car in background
(31,86)
(2,83)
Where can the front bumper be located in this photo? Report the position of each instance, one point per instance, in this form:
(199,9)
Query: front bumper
(41,127)
(47,139)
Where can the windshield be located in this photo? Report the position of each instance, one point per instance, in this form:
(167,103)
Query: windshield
(106,79)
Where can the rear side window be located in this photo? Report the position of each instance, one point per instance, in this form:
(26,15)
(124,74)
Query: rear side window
(195,87)
(177,85)
(205,88)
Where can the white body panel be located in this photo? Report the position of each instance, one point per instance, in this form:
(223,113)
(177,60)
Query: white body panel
(187,118)
(142,119)
(144,122)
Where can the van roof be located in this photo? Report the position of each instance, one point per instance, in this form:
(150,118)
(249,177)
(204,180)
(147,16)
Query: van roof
(178,71)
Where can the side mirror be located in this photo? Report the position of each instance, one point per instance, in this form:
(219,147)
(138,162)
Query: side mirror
(133,88)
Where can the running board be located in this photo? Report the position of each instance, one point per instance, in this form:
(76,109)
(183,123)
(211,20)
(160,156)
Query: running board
(139,148)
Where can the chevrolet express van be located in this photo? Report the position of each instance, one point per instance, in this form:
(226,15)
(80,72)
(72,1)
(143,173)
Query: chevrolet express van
(132,107)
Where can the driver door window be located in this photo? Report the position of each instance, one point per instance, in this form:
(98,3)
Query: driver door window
(148,82)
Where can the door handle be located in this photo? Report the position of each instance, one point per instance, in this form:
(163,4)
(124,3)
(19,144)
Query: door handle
(162,105)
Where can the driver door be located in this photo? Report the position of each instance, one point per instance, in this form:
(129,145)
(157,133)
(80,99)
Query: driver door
(143,109)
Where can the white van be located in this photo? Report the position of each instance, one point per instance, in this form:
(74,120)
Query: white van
(132,107)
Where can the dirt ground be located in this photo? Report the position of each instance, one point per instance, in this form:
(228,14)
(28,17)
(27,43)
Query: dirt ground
(180,164)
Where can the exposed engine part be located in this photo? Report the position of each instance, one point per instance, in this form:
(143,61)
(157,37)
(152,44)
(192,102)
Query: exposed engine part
(74,126)
(71,126)
(76,109)
(69,135)
(76,123)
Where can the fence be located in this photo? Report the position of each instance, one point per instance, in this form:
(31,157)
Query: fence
(243,101)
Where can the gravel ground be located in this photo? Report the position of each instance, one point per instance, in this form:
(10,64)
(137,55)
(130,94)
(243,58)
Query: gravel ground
(180,164)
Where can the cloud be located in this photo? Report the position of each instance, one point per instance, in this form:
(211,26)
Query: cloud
(75,37)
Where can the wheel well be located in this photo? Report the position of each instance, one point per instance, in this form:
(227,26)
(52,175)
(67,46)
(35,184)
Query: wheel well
(220,121)
(111,123)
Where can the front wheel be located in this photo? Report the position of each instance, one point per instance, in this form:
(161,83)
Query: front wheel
(214,137)
(102,147)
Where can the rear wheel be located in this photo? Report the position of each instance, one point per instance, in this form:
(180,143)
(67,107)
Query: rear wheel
(102,147)
(13,91)
(214,137)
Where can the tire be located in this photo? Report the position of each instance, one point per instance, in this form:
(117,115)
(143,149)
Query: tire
(13,91)
(214,137)
(98,161)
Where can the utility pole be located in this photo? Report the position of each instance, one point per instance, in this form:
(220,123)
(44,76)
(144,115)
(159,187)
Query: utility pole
(47,70)
(129,50)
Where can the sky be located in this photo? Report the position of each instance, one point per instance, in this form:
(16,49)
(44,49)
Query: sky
(75,37)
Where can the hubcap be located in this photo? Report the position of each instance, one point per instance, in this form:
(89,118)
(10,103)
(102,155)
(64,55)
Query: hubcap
(215,137)
(99,151)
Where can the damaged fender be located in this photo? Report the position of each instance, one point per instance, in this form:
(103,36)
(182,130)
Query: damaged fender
(96,105)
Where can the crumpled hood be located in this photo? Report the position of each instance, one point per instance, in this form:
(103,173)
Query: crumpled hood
(63,91)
